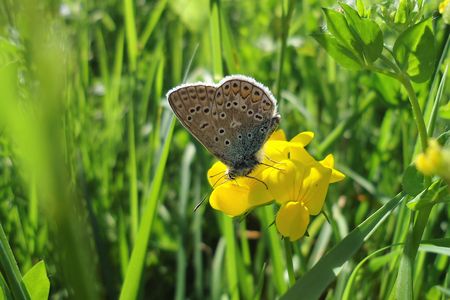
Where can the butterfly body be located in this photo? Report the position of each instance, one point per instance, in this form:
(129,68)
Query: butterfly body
(232,119)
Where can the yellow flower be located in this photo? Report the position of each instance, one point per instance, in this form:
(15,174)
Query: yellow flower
(443,5)
(289,175)
(434,161)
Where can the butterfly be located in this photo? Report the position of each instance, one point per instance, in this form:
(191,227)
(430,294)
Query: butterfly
(232,119)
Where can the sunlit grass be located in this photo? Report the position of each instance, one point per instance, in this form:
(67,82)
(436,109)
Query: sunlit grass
(99,180)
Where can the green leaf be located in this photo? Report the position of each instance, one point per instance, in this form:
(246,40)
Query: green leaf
(415,52)
(37,282)
(366,32)
(312,284)
(403,11)
(339,28)
(339,52)
(444,111)
(412,181)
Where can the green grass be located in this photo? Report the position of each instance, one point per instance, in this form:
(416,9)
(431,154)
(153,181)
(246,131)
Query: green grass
(99,180)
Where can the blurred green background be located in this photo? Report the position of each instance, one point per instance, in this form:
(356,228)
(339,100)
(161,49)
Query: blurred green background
(98,180)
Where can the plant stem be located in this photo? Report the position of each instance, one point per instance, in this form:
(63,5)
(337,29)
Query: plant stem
(289,264)
(417,112)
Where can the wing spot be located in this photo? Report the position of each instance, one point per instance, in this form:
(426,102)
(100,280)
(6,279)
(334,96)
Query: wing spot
(249,135)
(262,129)
(204,125)
(235,85)
(192,110)
(246,88)
(235,103)
(250,112)
(180,105)
(227,142)
(216,139)
(243,107)
(198,108)
(240,136)
(221,131)
(206,110)
(258,117)
(228,104)
(223,115)
(189,118)
(226,86)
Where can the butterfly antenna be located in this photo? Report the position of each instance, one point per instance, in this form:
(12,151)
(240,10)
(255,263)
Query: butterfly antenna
(201,202)
(271,166)
(259,180)
(275,162)
(211,176)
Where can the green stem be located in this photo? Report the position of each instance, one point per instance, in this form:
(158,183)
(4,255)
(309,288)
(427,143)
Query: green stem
(284,36)
(404,79)
(10,268)
(289,264)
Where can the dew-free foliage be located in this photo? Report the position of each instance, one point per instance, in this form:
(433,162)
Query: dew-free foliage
(99,181)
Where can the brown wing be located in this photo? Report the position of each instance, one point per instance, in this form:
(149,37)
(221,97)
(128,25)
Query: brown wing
(231,119)
(245,109)
(193,106)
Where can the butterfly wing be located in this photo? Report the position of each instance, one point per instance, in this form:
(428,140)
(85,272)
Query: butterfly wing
(193,105)
(232,120)
(247,111)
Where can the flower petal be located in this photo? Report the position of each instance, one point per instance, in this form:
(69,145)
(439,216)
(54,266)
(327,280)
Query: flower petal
(276,151)
(278,135)
(284,184)
(292,220)
(236,197)
(335,174)
(303,138)
(216,174)
(315,187)
(231,199)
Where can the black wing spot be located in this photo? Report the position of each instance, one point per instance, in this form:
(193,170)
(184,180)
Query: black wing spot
(258,117)
(246,88)
(192,110)
(257,93)
(262,130)
(189,118)
(249,135)
(250,112)
(227,142)
(228,105)
(198,108)
(244,107)
(223,115)
(235,84)
(216,139)
(221,131)
(240,136)
(226,86)
(235,103)
(206,110)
